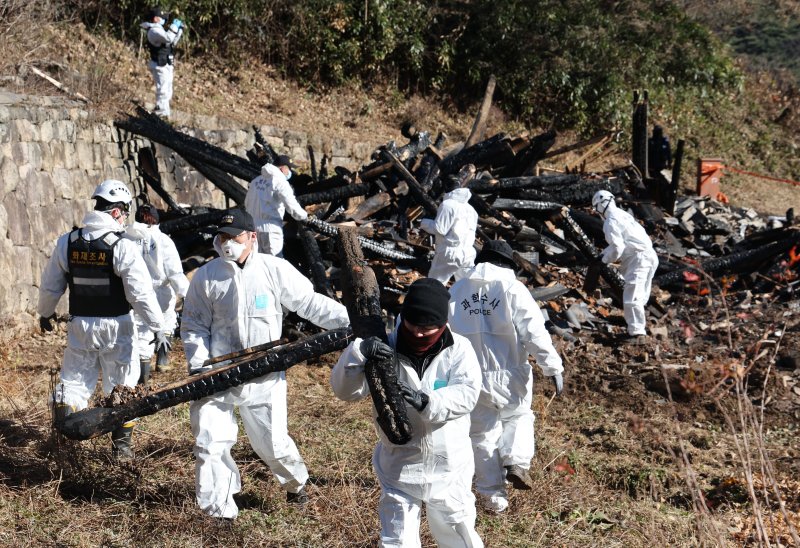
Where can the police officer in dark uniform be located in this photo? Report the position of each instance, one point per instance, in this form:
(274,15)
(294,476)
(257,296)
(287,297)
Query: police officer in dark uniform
(161,44)
(106,276)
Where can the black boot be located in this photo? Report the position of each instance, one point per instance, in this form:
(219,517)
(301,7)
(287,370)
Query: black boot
(144,371)
(121,447)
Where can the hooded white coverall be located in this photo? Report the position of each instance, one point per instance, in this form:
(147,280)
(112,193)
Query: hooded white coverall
(501,319)
(629,244)
(226,309)
(162,76)
(169,282)
(435,467)
(454,228)
(268,197)
(99,344)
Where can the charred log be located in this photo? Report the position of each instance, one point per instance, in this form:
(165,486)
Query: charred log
(576,235)
(361,296)
(93,422)
(330,230)
(334,194)
(509,183)
(736,263)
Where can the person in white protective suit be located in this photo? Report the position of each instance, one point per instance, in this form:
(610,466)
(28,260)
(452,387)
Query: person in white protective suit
(268,197)
(440,380)
(169,282)
(106,276)
(161,44)
(234,302)
(501,319)
(454,228)
(629,244)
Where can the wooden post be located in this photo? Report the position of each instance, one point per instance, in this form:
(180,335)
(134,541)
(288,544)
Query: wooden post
(361,296)
(639,134)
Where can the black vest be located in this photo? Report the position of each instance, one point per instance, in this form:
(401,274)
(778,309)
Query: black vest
(94,289)
(162,55)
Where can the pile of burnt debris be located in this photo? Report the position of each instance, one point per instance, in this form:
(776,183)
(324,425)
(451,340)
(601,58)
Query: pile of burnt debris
(703,246)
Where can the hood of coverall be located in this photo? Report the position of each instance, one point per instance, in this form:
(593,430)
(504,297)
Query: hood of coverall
(461,195)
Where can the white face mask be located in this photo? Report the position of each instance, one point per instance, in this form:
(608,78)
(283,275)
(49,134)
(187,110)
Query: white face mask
(232,250)
(288,175)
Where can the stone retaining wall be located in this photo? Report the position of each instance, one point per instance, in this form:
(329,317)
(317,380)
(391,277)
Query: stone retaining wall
(54,153)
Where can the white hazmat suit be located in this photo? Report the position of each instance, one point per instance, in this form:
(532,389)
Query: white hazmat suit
(435,467)
(100,345)
(501,319)
(629,244)
(229,308)
(162,71)
(169,282)
(268,197)
(454,228)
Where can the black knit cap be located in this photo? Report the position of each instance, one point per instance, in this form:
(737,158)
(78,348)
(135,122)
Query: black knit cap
(496,251)
(426,303)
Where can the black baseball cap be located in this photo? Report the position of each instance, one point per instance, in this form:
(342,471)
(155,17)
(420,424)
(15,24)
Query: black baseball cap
(155,12)
(284,160)
(495,251)
(235,221)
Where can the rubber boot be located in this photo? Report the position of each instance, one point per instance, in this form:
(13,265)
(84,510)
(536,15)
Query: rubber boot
(144,371)
(121,447)
(162,360)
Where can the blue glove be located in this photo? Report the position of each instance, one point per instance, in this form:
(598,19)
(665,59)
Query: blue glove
(178,23)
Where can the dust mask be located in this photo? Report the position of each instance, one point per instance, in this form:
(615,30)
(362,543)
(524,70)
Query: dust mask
(232,250)
(288,175)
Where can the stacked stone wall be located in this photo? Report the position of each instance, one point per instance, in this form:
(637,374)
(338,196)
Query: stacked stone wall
(53,152)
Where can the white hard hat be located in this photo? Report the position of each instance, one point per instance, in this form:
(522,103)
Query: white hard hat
(113,191)
(602,197)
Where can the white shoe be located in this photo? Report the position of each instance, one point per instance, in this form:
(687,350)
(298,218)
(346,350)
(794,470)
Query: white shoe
(493,503)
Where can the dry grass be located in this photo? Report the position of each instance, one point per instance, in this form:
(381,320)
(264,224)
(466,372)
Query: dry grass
(608,469)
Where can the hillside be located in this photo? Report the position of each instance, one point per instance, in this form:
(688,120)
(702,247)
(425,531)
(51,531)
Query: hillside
(754,128)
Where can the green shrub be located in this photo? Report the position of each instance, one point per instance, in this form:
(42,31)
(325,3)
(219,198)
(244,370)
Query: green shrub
(567,63)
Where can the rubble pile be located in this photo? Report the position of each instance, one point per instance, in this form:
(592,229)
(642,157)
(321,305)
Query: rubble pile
(705,247)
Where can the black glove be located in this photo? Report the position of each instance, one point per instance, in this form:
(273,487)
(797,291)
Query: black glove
(46,324)
(558,383)
(415,398)
(163,346)
(374,347)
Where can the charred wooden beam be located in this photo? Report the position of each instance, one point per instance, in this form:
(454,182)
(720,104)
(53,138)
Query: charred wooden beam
(361,296)
(230,188)
(470,155)
(156,130)
(505,204)
(576,235)
(268,154)
(525,162)
(579,193)
(639,133)
(334,194)
(148,168)
(330,230)
(92,422)
(738,263)
(313,257)
(509,183)
(191,222)
(414,187)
